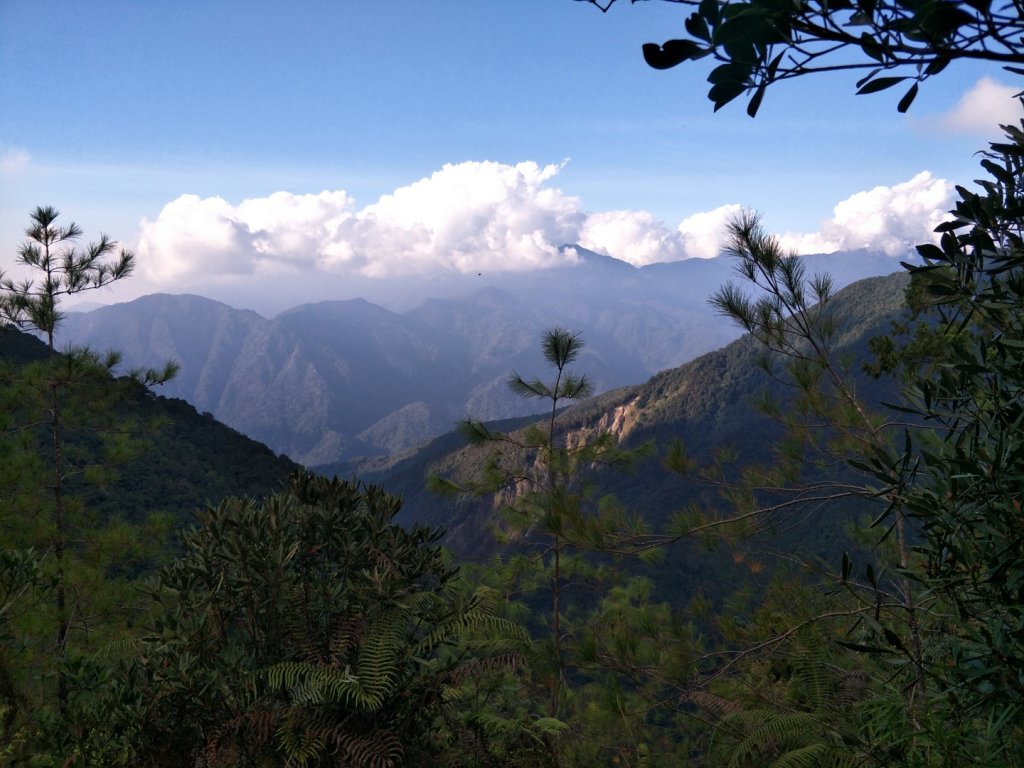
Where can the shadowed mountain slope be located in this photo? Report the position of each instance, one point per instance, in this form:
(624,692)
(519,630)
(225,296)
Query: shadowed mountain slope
(191,460)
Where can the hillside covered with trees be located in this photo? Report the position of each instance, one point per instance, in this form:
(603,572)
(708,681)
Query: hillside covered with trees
(314,622)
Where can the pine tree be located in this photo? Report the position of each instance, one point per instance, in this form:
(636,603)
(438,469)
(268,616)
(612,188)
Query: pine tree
(597,626)
(48,400)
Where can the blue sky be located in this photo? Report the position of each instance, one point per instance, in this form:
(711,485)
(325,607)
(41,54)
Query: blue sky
(512,123)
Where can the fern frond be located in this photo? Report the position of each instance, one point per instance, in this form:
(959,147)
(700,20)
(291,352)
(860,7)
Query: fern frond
(377,749)
(851,688)
(314,683)
(507,662)
(344,637)
(549,726)
(712,702)
(811,756)
(377,667)
(811,675)
(457,627)
(494,724)
(771,733)
(300,746)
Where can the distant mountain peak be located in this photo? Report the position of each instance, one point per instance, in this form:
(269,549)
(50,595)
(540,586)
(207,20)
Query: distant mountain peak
(595,259)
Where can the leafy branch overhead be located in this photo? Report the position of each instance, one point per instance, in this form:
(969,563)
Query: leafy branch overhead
(756,43)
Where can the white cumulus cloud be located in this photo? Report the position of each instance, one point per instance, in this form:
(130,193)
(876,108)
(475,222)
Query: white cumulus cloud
(890,219)
(464,217)
(982,109)
(632,236)
(705,232)
(194,235)
(476,215)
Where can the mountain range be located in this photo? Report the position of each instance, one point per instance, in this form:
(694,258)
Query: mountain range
(330,381)
(707,406)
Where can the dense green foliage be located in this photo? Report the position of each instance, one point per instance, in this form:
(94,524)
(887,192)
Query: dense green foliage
(302,629)
(189,460)
(123,497)
(938,602)
(964,486)
(69,550)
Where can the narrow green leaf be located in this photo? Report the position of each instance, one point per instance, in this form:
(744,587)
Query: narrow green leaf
(1001,173)
(879,84)
(907,100)
(869,572)
(868,76)
(861,648)
(755,101)
(937,65)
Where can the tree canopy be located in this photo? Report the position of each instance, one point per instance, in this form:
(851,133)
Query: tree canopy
(756,43)
(60,431)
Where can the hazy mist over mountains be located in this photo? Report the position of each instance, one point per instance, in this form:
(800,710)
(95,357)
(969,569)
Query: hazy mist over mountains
(330,380)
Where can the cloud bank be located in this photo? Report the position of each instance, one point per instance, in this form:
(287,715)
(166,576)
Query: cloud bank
(982,109)
(890,219)
(477,216)
(464,217)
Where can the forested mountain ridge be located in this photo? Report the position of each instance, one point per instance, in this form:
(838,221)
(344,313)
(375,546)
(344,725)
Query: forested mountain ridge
(706,404)
(190,459)
(334,380)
